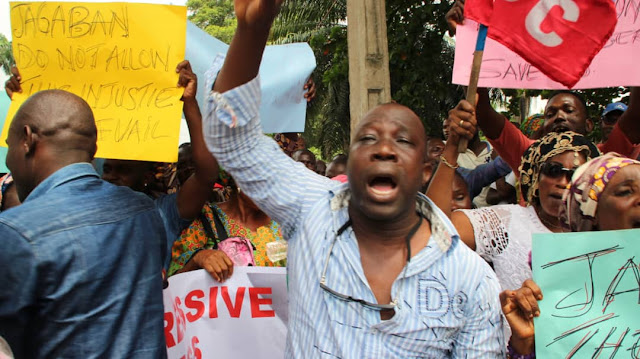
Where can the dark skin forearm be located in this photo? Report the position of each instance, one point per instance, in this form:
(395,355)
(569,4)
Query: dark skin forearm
(245,53)
(196,190)
(206,166)
(489,120)
(441,189)
(629,122)
(463,125)
(243,58)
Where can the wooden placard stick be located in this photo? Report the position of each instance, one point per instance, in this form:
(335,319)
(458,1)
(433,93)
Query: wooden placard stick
(473,79)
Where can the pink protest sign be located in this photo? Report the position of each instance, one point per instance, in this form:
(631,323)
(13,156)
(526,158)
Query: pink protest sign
(615,65)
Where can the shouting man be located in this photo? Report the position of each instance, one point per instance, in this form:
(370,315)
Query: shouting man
(375,269)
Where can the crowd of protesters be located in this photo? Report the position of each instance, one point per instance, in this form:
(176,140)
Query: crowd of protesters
(84,258)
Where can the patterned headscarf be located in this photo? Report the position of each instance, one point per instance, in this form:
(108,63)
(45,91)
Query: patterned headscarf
(587,185)
(532,124)
(286,144)
(543,149)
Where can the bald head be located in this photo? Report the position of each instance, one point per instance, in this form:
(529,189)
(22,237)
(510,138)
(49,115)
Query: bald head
(394,112)
(52,129)
(61,118)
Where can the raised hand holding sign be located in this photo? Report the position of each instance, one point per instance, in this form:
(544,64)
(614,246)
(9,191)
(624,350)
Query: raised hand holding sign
(119,57)
(555,38)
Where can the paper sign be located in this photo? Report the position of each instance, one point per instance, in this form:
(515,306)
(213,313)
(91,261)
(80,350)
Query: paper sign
(245,317)
(201,50)
(120,57)
(591,287)
(283,73)
(615,65)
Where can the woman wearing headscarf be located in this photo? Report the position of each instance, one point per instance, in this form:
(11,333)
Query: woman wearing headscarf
(502,234)
(604,194)
(237,217)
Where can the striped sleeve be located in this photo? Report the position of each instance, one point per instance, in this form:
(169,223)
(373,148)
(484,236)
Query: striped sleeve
(281,187)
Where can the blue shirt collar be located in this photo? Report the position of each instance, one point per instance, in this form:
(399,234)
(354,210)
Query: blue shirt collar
(62,176)
(443,232)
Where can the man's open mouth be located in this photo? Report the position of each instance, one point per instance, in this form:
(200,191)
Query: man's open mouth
(382,185)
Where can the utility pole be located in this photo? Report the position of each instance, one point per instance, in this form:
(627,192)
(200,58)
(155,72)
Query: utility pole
(369,81)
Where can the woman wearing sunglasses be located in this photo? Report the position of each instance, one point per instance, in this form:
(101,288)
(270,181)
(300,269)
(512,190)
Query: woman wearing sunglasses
(604,194)
(502,234)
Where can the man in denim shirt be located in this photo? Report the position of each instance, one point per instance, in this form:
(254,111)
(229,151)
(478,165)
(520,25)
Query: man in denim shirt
(81,259)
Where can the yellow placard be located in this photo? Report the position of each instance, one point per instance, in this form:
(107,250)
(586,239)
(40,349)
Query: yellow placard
(119,57)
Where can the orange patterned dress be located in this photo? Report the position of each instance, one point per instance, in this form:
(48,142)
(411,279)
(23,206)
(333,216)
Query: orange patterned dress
(194,238)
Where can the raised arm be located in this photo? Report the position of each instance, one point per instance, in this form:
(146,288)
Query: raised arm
(629,122)
(245,52)
(489,120)
(463,125)
(13,83)
(455,16)
(282,188)
(503,135)
(193,194)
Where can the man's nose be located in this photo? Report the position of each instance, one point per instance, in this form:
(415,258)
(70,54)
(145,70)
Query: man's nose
(385,152)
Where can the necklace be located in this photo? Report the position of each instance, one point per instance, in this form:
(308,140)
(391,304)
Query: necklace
(549,225)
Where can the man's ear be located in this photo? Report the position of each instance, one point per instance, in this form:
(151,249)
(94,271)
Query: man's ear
(30,140)
(589,125)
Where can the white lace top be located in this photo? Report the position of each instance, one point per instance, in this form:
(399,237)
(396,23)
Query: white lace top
(503,237)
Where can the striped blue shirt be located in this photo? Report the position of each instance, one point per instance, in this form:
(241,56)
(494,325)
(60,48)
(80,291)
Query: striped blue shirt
(448,304)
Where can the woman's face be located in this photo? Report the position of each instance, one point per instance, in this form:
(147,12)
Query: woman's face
(619,204)
(460,197)
(552,186)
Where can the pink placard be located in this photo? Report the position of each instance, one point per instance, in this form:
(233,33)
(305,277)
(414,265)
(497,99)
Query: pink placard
(617,64)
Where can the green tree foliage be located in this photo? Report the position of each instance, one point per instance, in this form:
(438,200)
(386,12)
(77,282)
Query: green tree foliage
(6,55)
(216,17)
(421,61)
(322,24)
(328,118)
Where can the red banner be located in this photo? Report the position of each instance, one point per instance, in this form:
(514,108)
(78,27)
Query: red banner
(559,37)
(478,10)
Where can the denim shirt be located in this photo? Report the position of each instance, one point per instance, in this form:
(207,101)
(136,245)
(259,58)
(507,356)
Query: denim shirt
(81,263)
(484,175)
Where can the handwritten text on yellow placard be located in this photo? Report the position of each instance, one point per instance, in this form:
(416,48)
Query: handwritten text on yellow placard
(119,57)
